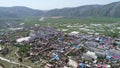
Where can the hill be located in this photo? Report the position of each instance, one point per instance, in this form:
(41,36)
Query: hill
(87,11)
(109,10)
(18,12)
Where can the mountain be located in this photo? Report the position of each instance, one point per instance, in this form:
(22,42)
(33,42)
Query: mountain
(18,12)
(109,10)
(82,11)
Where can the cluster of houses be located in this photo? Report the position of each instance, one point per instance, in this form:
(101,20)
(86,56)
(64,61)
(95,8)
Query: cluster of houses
(59,50)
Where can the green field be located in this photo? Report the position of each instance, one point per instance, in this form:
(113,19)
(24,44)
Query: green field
(101,25)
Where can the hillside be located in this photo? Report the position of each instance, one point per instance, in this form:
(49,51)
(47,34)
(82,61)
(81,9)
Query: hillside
(109,10)
(82,11)
(18,12)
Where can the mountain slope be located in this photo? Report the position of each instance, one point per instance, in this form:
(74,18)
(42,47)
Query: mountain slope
(18,12)
(109,10)
(82,11)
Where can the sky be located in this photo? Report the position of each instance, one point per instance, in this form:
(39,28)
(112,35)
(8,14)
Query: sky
(52,4)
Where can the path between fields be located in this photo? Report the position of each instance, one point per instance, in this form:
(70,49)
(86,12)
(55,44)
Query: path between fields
(7,60)
(17,53)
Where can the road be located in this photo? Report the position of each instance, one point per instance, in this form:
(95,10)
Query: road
(7,60)
(17,53)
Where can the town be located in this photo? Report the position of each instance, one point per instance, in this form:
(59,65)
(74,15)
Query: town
(59,34)
(49,48)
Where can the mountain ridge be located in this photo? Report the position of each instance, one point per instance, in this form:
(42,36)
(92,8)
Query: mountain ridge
(86,11)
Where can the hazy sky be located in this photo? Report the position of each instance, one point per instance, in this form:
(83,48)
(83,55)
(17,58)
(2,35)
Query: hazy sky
(51,4)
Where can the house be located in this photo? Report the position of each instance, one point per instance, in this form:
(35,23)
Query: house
(72,63)
(87,37)
(91,44)
(98,52)
(114,53)
(89,55)
(117,44)
(23,39)
(106,66)
(74,33)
